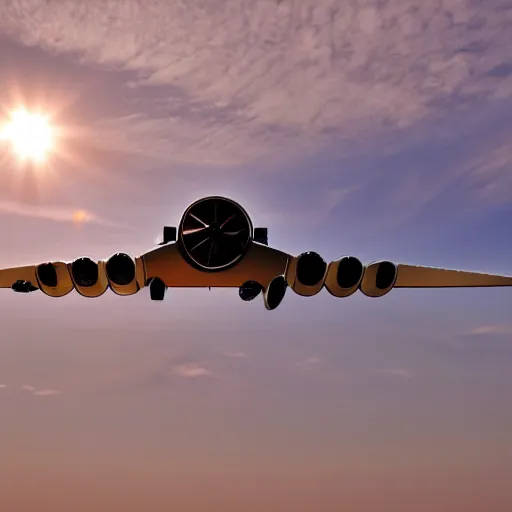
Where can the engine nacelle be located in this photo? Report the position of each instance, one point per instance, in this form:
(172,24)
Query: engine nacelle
(379,278)
(122,274)
(21,286)
(157,289)
(54,279)
(306,273)
(275,292)
(89,277)
(344,276)
(249,290)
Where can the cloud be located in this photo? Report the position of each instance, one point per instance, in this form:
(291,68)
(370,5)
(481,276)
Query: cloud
(39,392)
(309,215)
(3,386)
(489,171)
(46,392)
(397,372)
(237,355)
(191,370)
(500,330)
(76,216)
(309,363)
(244,80)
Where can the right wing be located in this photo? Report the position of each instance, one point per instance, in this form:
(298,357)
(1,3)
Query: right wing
(87,277)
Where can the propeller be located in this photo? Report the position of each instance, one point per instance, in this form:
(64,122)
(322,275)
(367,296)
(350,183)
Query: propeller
(215,233)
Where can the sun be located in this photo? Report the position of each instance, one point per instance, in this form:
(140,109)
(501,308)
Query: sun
(29,134)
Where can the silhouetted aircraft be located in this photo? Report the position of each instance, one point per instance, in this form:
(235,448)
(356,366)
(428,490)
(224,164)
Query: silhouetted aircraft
(216,245)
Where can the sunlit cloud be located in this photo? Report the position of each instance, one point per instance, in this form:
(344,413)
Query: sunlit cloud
(234,85)
(191,370)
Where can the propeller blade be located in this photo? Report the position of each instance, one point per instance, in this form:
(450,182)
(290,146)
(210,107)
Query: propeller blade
(200,243)
(231,217)
(215,207)
(210,253)
(192,231)
(195,217)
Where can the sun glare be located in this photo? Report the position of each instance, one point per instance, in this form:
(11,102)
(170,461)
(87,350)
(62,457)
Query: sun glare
(30,135)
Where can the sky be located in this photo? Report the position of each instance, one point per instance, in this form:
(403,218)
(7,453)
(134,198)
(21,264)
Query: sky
(379,129)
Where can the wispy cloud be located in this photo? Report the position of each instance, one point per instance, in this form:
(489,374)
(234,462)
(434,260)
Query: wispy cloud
(46,392)
(309,363)
(313,214)
(489,170)
(40,392)
(236,355)
(396,372)
(191,370)
(3,386)
(76,216)
(501,330)
(262,78)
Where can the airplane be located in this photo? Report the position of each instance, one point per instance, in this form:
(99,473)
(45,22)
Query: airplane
(215,245)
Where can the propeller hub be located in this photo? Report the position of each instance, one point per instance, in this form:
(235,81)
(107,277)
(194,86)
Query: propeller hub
(215,230)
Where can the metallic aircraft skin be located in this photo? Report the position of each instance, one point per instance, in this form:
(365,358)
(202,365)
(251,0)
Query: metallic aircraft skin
(216,245)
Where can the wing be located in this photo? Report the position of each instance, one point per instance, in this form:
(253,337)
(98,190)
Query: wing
(343,277)
(414,276)
(121,273)
(20,279)
(381,276)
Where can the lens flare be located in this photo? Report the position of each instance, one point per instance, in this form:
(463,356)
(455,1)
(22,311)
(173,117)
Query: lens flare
(80,216)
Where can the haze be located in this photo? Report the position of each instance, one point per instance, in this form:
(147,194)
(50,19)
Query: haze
(378,129)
